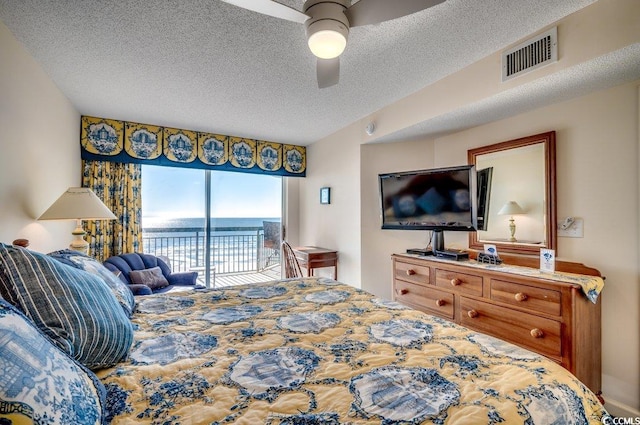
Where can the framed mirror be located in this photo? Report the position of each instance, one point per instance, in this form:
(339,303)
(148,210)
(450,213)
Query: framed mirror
(516,195)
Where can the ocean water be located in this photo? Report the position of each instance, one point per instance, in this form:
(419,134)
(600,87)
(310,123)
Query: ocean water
(198,222)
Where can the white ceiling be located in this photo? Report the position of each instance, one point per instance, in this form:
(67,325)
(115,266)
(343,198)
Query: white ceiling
(210,66)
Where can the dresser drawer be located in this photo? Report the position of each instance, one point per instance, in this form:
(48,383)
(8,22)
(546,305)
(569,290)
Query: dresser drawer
(535,333)
(459,282)
(411,273)
(536,299)
(423,298)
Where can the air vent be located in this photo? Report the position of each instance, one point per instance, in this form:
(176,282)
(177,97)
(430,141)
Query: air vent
(533,53)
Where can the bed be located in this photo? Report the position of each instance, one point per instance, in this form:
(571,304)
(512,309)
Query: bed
(312,351)
(315,351)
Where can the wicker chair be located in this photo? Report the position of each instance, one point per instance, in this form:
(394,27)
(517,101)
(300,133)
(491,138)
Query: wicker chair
(272,239)
(291,266)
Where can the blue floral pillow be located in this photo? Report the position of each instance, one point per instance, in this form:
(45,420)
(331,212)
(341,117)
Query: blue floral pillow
(80,261)
(75,309)
(40,383)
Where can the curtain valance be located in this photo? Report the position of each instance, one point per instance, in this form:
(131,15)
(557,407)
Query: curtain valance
(103,139)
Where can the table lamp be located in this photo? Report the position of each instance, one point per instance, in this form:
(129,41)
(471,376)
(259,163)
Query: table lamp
(78,203)
(511,208)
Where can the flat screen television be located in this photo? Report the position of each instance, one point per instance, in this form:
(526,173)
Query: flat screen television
(437,199)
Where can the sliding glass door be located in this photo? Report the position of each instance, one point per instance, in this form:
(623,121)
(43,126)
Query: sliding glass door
(217,223)
(173,215)
(241,206)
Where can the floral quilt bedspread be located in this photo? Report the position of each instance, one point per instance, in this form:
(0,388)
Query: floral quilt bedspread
(314,351)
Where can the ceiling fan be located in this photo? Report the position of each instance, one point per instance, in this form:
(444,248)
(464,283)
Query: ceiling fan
(328,21)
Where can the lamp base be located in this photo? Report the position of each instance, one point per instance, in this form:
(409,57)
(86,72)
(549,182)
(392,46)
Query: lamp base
(512,230)
(78,243)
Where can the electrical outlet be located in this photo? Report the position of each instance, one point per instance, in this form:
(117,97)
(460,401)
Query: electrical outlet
(576,230)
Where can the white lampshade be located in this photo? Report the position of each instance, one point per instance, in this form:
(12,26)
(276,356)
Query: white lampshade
(511,208)
(78,203)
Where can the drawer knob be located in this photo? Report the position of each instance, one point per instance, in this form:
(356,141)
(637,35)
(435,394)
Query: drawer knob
(456,281)
(440,303)
(537,333)
(404,291)
(520,296)
(472,313)
(411,272)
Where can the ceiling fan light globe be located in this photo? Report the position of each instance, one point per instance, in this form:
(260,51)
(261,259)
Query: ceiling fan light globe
(327,44)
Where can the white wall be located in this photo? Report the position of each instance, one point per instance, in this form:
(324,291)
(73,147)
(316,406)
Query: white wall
(334,164)
(40,155)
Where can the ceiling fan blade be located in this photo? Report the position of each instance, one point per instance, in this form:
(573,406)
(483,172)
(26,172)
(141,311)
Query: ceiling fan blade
(271,8)
(367,12)
(328,72)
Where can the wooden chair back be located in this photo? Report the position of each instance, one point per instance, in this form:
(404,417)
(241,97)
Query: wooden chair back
(291,266)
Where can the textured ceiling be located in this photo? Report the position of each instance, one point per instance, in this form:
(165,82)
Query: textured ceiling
(606,71)
(210,66)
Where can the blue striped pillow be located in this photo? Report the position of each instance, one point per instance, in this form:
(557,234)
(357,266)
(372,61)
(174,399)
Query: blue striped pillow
(74,308)
(91,265)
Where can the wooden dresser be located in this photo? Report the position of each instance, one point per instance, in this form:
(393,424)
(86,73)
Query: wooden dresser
(552,318)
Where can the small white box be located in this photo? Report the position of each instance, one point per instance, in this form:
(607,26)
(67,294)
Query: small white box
(490,249)
(547,260)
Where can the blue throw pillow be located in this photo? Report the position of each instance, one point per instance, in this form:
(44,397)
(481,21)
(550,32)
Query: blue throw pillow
(72,307)
(40,383)
(83,262)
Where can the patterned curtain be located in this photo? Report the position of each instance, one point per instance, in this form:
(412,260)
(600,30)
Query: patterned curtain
(118,185)
(103,139)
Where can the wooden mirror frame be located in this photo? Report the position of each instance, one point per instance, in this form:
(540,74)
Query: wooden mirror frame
(549,141)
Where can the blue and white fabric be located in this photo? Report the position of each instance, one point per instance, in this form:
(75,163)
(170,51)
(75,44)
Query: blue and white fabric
(72,307)
(40,384)
(93,266)
(314,351)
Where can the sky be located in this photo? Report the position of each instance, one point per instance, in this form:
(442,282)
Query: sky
(171,192)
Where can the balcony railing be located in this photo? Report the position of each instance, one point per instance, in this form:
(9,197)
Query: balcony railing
(233,249)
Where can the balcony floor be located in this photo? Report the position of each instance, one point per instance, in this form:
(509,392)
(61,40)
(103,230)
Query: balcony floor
(233,279)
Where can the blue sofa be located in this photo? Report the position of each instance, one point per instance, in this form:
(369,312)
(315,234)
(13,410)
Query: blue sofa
(127,263)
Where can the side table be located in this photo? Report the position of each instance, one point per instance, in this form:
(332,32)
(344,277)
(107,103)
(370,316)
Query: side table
(313,257)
